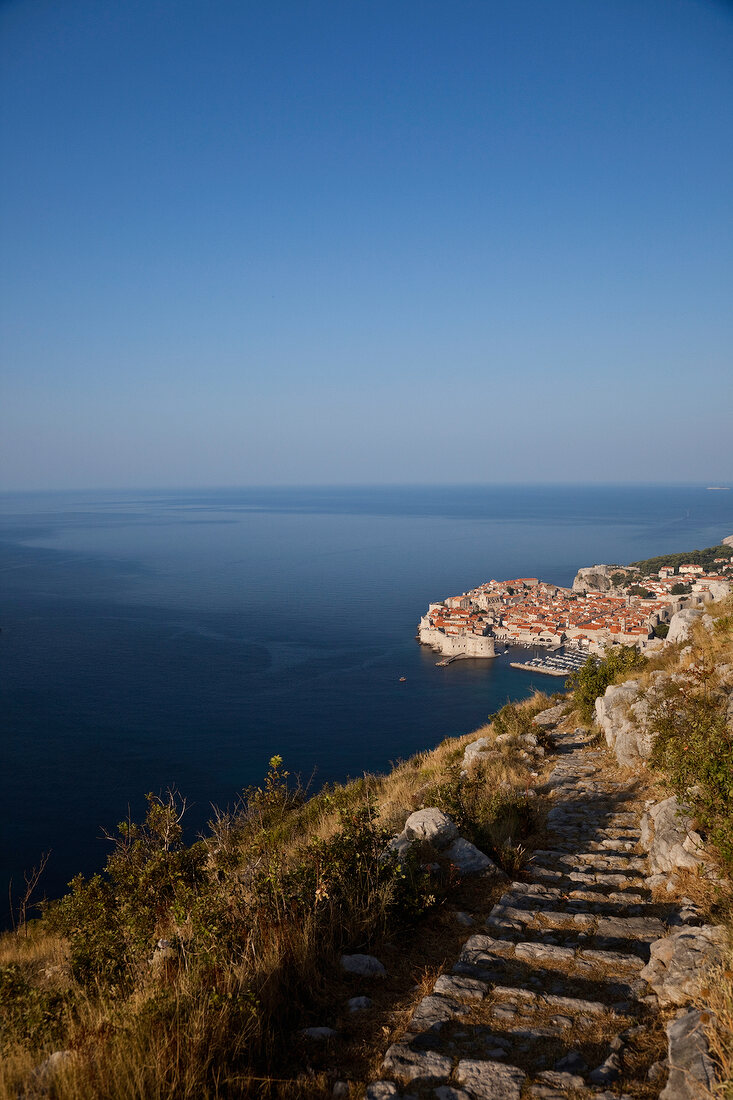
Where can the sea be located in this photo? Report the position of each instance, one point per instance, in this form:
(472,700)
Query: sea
(182,638)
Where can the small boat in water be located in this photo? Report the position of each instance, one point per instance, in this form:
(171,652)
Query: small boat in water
(402,679)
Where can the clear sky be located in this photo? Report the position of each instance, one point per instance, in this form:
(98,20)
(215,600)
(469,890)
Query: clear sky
(302,241)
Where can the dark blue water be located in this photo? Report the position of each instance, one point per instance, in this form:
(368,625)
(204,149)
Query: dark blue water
(151,639)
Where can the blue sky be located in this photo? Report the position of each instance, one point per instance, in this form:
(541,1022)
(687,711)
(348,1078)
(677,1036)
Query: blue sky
(303,242)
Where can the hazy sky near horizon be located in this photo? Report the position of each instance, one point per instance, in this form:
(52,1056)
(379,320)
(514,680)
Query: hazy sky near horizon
(305,241)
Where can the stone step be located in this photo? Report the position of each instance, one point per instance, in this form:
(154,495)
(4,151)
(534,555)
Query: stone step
(613,903)
(554,969)
(576,1005)
(599,861)
(486,951)
(589,878)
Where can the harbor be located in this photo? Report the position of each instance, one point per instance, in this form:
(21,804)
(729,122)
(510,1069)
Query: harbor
(557,664)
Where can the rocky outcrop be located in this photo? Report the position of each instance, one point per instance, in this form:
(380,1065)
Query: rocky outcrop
(620,713)
(667,833)
(594,578)
(677,968)
(691,1069)
(681,624)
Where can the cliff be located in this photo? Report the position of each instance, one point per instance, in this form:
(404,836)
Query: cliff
(594,578)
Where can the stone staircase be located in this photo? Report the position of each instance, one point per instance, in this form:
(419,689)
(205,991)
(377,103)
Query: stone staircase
(546,1000)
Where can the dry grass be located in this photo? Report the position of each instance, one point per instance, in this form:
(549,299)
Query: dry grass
(233,1029)
(717,997)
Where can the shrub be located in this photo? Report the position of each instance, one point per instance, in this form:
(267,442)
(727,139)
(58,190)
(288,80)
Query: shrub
(499,820)
(694,749)
(594,677)
(152,883)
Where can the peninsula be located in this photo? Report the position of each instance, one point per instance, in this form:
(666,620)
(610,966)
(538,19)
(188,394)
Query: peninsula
(607,605)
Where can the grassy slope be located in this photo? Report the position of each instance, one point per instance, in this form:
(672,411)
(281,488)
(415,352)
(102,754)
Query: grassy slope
(258,911)
(256,914)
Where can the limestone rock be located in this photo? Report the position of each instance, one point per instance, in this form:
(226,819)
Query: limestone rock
(400,844)
(676,969)
(621,714)
(490,1080)
(381,1090)
(319,1034)
(667,833)
(359,1004)
(549,717)
(431,825)
(561,1080)
(162,954)
(681,624)
(457,985)
(446,1092)
(691,1070)
(365,965)
(607,1072)
(476,751)
(594,578)
(469,859)
(416,1065)
(432,1012)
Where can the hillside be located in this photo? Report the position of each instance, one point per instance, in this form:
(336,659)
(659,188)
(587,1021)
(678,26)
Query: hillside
(704,557)
(529,907)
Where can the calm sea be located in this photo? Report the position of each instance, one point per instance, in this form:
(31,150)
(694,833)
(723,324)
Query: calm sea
(182,638)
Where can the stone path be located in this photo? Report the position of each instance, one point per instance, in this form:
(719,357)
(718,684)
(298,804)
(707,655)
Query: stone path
(547,1000)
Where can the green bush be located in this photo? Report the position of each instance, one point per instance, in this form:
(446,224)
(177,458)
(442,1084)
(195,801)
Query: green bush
(499,821)
(694,750)
(152,882)
(350,882)
(595,676)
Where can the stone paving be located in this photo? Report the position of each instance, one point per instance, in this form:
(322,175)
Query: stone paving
(546,1000)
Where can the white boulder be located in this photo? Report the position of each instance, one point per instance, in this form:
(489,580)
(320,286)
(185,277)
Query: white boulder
(431,825)
(469,859)
(681,624)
